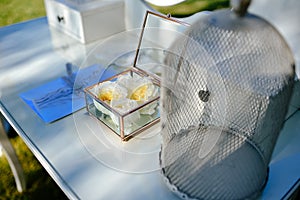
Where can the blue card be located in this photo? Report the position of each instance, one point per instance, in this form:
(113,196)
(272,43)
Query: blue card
(63,96)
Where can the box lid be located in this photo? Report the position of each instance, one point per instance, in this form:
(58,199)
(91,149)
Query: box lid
(90,7)
(158,34)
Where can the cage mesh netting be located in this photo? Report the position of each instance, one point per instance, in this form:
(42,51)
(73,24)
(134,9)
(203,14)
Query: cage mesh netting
(225,95)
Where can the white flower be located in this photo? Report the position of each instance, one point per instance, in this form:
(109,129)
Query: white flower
(139,88)
(108,91)
(125,94)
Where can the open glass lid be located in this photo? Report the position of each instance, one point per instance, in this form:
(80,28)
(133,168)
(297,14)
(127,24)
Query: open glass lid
(158,33)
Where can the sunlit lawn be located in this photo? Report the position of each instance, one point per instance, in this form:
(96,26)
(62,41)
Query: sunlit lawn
(13,11)
(39,184)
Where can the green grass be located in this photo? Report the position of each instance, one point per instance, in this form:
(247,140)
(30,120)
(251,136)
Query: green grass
(14,11)
(39,184)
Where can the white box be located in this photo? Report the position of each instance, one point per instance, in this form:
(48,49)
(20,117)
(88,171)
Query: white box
(86,22)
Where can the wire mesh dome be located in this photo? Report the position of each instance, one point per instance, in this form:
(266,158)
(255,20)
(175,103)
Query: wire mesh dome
(225,95)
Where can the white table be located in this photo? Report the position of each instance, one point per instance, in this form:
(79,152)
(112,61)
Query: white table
(77,152)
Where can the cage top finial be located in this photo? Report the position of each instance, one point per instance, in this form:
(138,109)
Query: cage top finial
(240,6)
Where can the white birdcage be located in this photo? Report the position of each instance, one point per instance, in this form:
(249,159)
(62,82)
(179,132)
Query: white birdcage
(224,99)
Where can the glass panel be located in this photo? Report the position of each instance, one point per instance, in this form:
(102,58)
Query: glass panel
(96,109)
(158,34)
(141,117)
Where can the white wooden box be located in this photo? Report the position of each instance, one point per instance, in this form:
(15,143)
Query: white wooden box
(86,22)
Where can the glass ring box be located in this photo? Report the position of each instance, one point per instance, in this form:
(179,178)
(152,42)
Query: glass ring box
(128,102)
